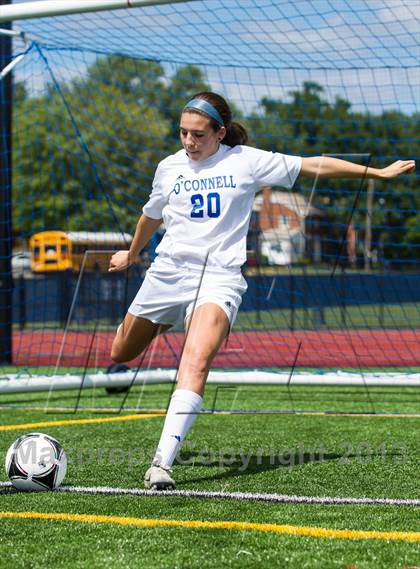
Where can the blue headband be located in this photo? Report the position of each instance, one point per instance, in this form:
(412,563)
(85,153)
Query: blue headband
(205,107)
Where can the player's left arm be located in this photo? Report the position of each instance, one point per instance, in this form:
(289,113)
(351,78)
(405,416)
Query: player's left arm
(329,167)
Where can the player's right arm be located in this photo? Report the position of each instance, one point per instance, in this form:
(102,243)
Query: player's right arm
(146,227)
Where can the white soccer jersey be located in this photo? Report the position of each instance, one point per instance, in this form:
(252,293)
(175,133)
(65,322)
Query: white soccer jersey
(206,205)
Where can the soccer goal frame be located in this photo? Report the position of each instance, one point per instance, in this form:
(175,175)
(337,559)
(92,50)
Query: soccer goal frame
(50,8)
(14,383)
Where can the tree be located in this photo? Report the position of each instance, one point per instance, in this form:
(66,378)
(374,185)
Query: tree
(185,82)
(308,124)
(79,167)
(85,155)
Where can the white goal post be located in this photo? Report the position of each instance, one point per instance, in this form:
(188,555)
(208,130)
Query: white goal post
(21,384)
(66,77)
(46,8)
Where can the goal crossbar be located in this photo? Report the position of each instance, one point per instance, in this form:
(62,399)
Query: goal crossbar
(47,8)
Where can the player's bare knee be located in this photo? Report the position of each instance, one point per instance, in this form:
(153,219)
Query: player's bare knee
(118,354)
(117,357)
(196,360)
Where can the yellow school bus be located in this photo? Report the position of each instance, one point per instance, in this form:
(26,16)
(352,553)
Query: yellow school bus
(61,251)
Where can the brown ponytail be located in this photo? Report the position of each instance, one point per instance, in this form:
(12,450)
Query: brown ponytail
(235,132)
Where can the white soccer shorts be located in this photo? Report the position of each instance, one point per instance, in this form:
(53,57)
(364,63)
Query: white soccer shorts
(170,292)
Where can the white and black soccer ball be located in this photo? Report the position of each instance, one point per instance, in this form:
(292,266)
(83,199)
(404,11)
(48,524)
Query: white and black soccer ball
(36,462)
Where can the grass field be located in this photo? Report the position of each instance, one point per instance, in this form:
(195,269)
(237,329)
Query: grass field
(332,317)
(342,455)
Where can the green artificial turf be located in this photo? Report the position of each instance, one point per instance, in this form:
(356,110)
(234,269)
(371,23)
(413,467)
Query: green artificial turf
(312,455)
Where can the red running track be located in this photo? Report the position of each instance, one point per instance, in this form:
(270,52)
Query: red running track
(324,348)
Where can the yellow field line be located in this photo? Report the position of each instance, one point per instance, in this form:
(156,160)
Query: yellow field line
(40,424)
(296,413)
(226,525)
(81,409)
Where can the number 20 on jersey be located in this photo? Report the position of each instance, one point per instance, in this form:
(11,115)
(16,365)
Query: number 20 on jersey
(205,206)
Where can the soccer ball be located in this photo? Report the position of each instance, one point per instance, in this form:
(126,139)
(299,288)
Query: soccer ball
(36,462)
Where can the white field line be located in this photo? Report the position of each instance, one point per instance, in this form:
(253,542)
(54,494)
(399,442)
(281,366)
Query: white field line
(242,496)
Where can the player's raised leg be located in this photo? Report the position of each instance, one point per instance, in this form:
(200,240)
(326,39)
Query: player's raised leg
(206,331)
(133,336)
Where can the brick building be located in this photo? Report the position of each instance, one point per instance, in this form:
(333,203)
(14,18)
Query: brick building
(279,218)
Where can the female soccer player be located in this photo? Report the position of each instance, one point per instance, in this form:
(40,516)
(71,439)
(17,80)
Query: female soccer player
(204,195)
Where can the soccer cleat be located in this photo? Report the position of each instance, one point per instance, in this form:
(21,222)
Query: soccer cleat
(157,478)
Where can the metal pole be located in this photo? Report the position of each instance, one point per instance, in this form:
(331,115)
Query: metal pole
(292,301)
(46,8)
(368,224)
(6,282)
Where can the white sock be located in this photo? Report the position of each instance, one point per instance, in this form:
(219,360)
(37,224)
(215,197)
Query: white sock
(182,412)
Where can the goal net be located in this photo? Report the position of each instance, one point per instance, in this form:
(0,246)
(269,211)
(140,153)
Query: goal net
(333,265)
